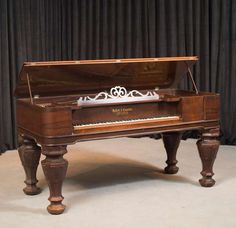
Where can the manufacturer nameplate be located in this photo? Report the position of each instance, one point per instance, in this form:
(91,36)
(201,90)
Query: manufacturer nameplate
(121,111)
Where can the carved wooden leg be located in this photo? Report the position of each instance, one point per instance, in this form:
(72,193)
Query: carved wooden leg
(29,154)
(171,143)
(208,147)
(55,167)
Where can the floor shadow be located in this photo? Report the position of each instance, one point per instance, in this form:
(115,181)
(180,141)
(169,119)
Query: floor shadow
(86,174)
(114,170)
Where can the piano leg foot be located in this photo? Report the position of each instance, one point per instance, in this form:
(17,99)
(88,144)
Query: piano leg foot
(171,143)
(29,153)
(55,167)
(208,147)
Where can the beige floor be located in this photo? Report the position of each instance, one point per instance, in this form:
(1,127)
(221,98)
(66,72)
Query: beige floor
(119,183)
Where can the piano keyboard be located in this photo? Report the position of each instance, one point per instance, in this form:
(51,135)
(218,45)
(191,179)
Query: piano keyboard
(125,122)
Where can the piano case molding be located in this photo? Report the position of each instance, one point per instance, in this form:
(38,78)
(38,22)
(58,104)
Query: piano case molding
(64,102)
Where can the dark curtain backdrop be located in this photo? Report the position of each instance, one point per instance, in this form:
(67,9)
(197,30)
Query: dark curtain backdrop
(34,30)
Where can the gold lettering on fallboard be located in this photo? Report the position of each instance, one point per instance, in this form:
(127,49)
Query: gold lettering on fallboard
(121,111)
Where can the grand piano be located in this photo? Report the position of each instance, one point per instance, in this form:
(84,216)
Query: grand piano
(65,102)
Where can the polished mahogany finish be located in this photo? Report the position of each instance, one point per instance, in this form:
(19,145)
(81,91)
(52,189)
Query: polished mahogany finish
(64,102)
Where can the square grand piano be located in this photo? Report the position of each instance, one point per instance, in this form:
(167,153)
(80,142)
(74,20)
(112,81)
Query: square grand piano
(65,102)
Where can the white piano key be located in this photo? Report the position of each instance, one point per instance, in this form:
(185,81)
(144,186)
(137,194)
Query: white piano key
(125,121)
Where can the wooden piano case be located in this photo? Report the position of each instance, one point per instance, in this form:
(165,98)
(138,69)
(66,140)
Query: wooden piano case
(64,102)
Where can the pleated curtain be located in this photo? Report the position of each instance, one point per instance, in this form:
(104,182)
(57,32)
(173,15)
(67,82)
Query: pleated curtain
(42,30)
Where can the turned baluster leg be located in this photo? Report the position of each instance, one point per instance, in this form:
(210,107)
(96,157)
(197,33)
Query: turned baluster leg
(171,143)
(29,153)
(208,147)
(55,167)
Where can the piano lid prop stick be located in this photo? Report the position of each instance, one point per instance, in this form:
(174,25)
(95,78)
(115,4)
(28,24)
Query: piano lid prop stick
(191,76)
(30,93)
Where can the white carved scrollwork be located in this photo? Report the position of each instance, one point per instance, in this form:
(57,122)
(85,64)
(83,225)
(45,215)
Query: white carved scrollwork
(118,93)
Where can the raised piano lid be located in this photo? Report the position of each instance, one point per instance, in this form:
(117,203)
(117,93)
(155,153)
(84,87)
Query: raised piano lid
(56,78)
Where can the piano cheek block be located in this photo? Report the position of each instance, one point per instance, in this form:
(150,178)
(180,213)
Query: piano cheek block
(46,122)
(57,123)
(63,102)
